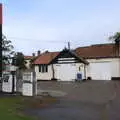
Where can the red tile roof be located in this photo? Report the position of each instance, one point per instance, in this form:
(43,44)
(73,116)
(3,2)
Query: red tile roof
(28,57)
(96,51)
(93,51)
(45,58)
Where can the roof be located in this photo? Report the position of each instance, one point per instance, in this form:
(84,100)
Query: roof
(96,51)
(68,53)
(28,57)
(93,51)
(45,58)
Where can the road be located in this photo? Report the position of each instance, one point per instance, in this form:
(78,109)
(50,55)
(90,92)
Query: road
(86,105)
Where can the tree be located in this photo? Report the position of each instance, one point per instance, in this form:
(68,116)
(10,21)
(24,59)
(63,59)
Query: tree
(116,39)
(7,51)
(19,60)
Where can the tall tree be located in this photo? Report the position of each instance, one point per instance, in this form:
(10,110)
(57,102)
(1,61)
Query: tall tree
(116,39)
(7,51)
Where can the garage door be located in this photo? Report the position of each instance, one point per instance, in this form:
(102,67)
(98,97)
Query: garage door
(100,71)
(66,72)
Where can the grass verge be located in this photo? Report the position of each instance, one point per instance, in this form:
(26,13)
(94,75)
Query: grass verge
(11,107)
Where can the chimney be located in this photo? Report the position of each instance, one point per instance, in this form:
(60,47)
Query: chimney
(38,52)
(33,54)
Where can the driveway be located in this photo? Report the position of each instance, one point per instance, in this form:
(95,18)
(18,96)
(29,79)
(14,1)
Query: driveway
(77,110)
(97,101)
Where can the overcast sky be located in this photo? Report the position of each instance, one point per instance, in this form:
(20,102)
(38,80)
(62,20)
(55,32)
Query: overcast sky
(49,24)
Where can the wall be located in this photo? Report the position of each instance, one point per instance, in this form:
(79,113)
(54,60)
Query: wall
(82,68)
(49,74)
(43,76)
(27,64)
(113,67)
(76,70)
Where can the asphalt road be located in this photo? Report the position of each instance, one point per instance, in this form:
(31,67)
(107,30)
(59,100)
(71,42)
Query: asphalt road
(76,110)
(74,107)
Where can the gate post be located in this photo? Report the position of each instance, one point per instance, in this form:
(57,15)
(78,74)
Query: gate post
(29,87)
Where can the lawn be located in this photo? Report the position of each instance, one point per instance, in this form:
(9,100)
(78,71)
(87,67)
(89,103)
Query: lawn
(10,108)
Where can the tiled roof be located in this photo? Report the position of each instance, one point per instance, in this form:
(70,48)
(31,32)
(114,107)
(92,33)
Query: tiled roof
(28,57)
(93,51)
(45,58)
(96,51)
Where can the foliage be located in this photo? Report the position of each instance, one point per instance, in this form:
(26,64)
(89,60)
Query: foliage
(116,39)
(19,60)
(7,51)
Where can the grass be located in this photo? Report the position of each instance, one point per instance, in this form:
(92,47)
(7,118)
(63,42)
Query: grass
(9,108)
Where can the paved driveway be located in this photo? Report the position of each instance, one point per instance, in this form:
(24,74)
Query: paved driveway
(77,110)
(97,101)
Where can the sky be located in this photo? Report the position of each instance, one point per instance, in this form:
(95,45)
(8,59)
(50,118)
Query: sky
(34,25)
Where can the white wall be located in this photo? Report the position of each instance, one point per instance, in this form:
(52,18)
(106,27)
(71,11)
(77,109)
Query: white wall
(68,72)
(48,75)
(109,66)
(82,67)
(43,76)
(112,70)
(27,64)
(115,66)
(7,85)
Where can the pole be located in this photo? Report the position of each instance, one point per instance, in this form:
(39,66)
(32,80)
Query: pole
(13,81)
(68,45)
(0,40)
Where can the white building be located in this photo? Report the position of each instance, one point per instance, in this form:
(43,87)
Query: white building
(98,62)
(63,66)
(104,61)
(28,61)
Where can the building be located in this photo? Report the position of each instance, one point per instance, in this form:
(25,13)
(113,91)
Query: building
(28,60)
(62,66)
(104,61)
(97,62)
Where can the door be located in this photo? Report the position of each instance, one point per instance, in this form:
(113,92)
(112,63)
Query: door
(100,71)
(66,72)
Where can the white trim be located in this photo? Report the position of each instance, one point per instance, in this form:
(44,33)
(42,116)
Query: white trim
(66,58)
(66,61)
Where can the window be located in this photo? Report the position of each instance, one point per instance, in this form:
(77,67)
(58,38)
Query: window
(43,68)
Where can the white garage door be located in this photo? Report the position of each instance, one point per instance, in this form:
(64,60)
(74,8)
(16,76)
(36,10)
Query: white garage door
(66,72)
(100,71)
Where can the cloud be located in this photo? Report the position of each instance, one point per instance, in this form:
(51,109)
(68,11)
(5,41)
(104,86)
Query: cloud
(44,25)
